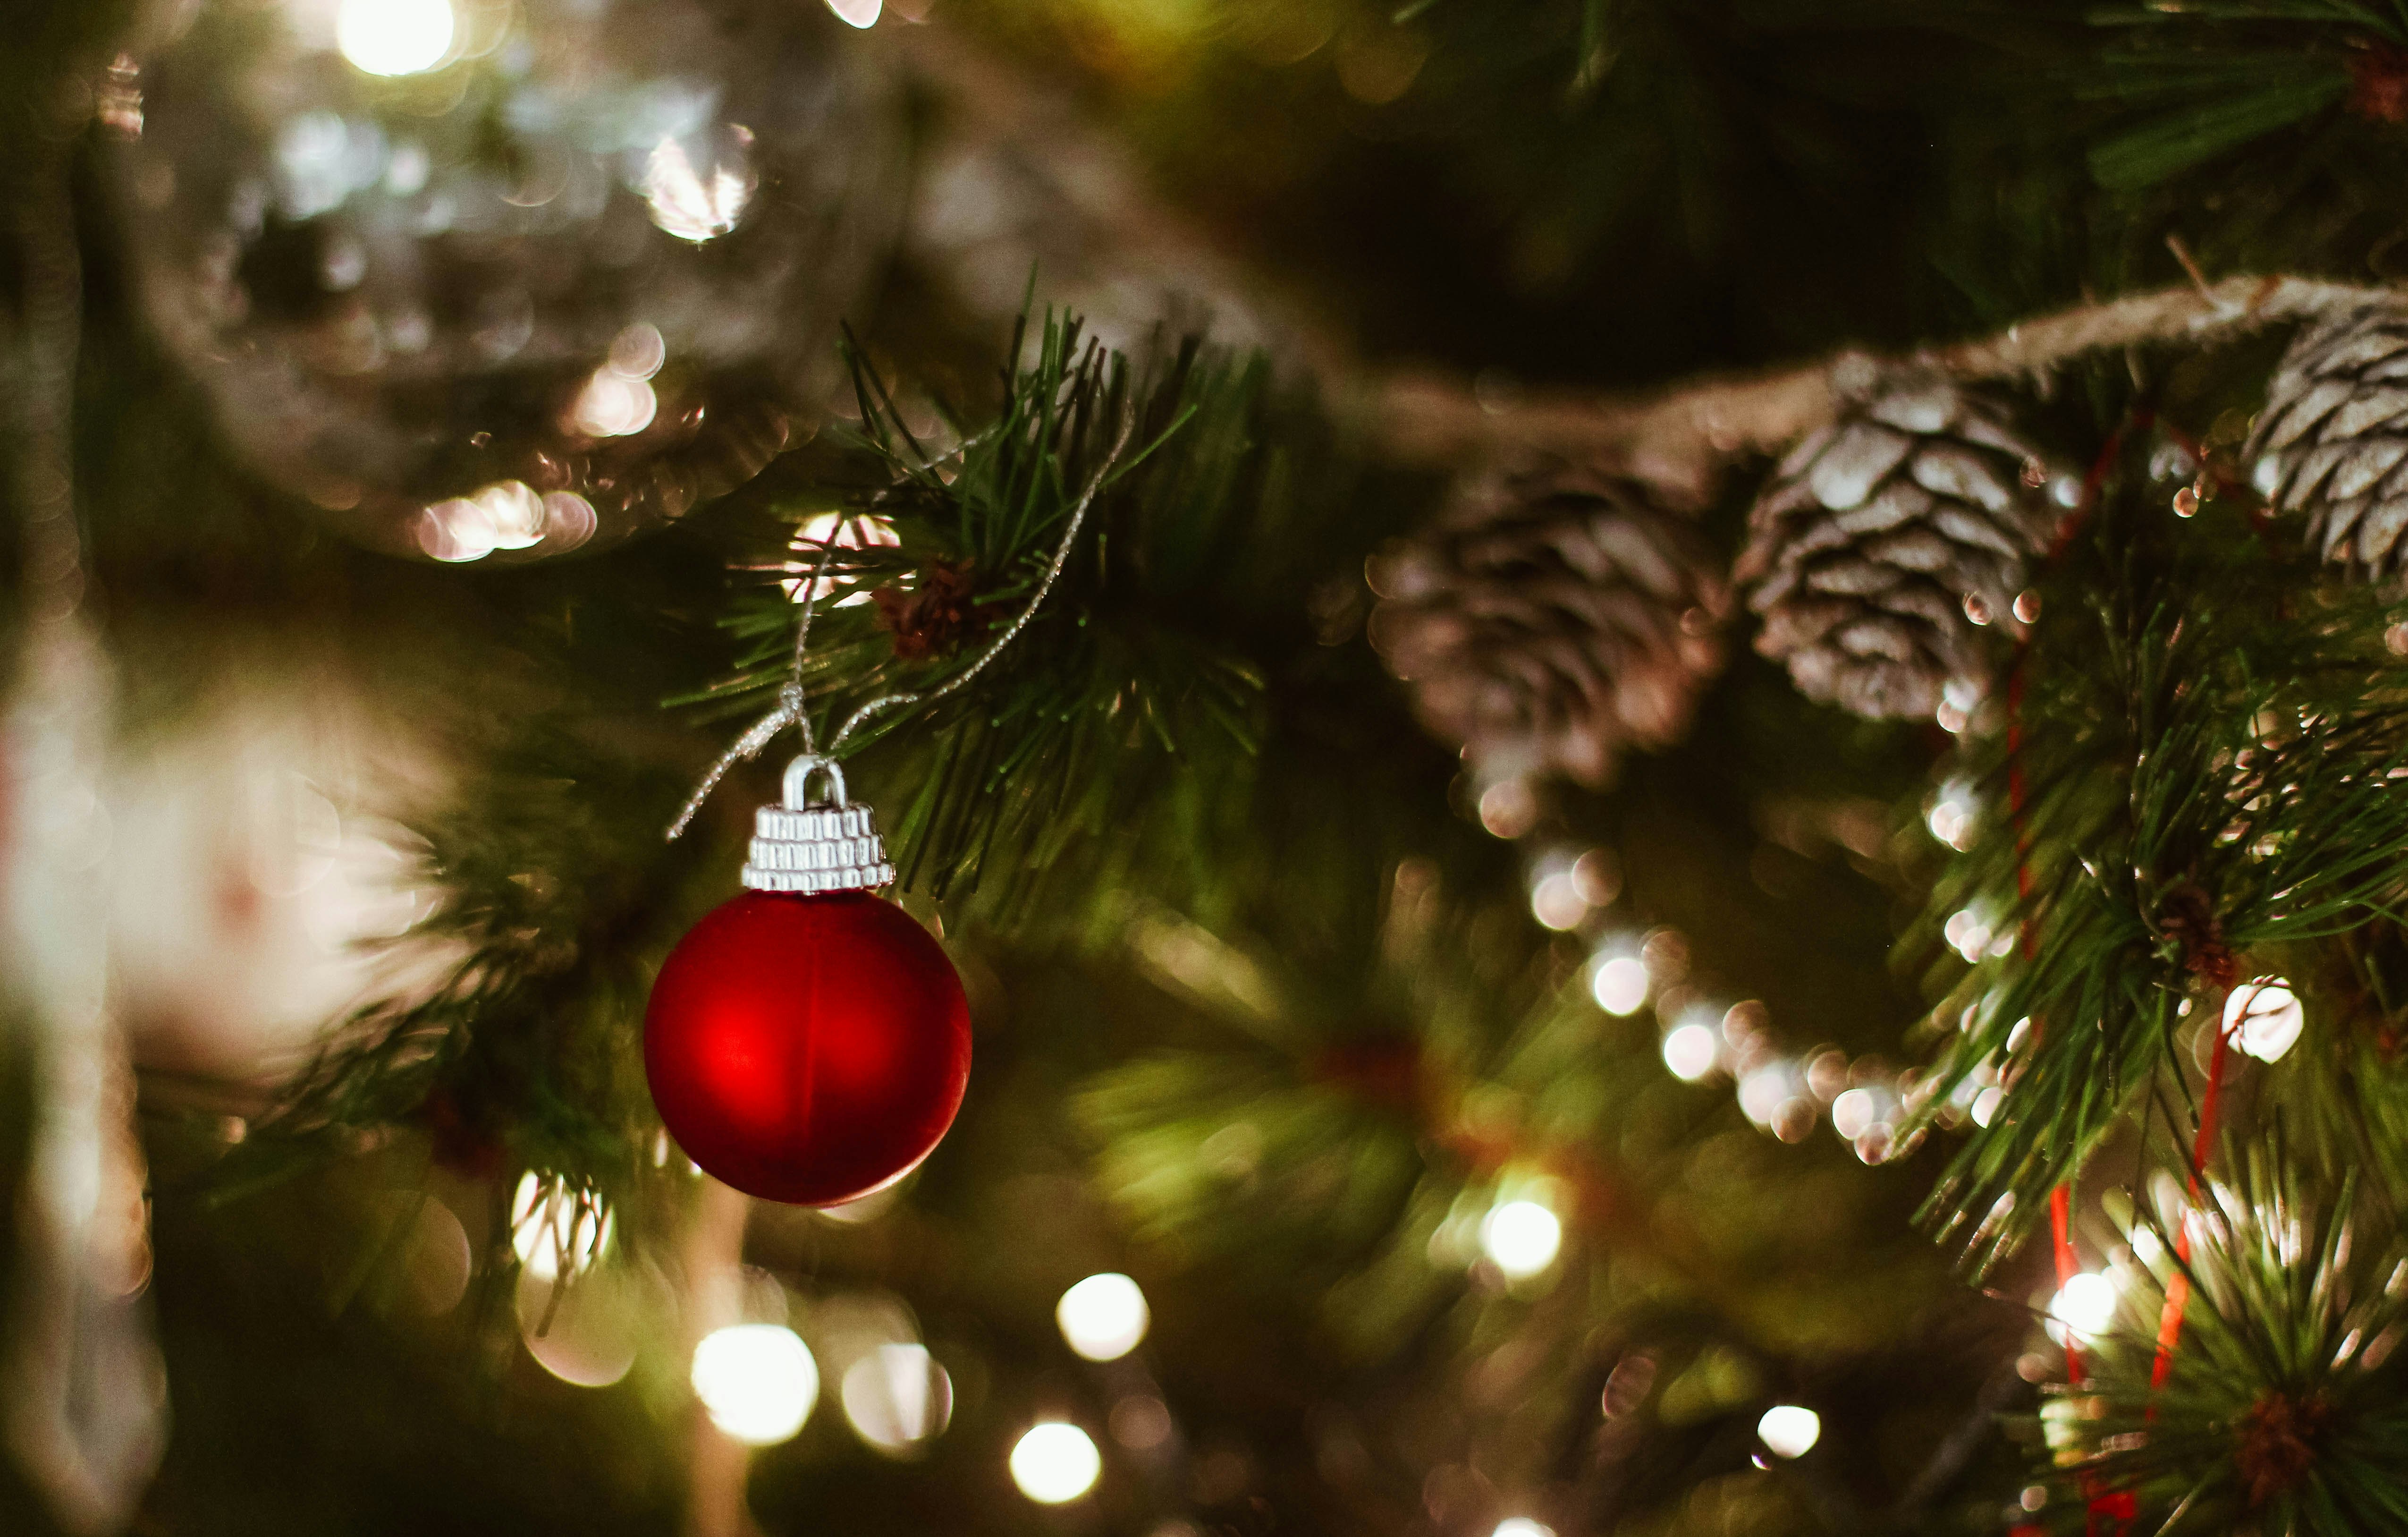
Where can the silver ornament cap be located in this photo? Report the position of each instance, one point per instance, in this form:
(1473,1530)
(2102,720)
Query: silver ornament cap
(808,846)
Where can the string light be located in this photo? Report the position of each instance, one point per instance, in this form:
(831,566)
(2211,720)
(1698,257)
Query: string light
(1522,1238)
(395,37)
(1690,1051)
(1620,985)
(756,1381)
(1950,817)
(1056,1463)
(1789,1429)
(1103,1317)
(2084,1307)
(2264,1018)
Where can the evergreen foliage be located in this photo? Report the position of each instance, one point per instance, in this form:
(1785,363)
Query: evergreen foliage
(2283,1409)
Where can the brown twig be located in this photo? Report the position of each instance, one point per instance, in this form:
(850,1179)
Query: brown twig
(1682,433)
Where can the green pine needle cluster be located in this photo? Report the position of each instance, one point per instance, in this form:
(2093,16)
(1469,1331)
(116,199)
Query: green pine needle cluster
(2203,768)
(1116,726)
(2286,1405)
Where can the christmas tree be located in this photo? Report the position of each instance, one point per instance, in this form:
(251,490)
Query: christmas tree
(1204,766)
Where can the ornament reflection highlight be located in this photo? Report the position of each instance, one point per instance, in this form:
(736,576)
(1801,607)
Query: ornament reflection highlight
(395,37)
(2263,1018)
(756,1381)
(1789,1429)
(1056,1463)
(1522,1238)
(1103,1317)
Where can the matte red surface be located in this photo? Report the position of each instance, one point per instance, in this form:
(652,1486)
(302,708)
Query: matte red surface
(808,1049)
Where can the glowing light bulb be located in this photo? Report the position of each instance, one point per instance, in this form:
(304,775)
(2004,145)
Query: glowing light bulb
(1789,1429)
(2084,1307)
(1621,985)
(1690,1052)
(1521,1237)
(1056,1463)
(1103,1317)
(395,37)
(756,1381)
(2263,1018)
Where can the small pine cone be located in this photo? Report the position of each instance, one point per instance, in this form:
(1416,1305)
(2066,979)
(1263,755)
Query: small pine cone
(1554,616)
(2332,441)
(1886,539)
(934,618)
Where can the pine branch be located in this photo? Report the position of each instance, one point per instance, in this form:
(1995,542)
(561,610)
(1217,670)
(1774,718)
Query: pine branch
(2287,1405)
(1118,723)
(2208,749)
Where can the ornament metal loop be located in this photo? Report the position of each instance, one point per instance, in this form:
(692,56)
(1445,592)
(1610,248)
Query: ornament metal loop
(807,846)
(799,783)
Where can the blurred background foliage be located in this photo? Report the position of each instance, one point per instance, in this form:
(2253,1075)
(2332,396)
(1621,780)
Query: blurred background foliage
(1280,1084)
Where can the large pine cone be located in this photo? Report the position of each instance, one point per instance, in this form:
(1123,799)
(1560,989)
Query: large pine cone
(1553,617)
(2332,441)
(1886,540)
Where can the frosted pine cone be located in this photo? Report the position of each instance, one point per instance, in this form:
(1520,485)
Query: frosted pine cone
(2332,441)
(1886,540)
(1555,616)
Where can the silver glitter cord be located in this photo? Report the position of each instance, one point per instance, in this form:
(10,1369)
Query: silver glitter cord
(790,709)
(1011,632)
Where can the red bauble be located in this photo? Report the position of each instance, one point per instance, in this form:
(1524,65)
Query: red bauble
(808,1049)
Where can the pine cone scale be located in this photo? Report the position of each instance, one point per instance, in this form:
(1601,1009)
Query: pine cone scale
(2332,441)
(1551,620)
(1862,563)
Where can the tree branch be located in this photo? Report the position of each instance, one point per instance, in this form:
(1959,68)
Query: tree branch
(1682,435)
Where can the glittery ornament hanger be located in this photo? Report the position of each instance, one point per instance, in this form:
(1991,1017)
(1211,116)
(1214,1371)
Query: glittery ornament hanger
(791,706)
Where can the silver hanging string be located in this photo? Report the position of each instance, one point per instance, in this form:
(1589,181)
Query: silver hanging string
(790,709)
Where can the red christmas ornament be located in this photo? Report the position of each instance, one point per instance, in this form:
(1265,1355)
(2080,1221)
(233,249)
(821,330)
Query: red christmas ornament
(807,1042)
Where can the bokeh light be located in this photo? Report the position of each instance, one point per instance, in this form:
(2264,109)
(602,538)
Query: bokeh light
(1690,1051)
(1521,1237)
(699,203)
(395,37)
(1620,985)
(856,13)
(1789,1429)
(557,1229)
(1521,1526)
(2084,1307)
(756,1381)
(1952,815)
(1556,902)
(1103,1317)
(1056,1463)
(897,1397)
